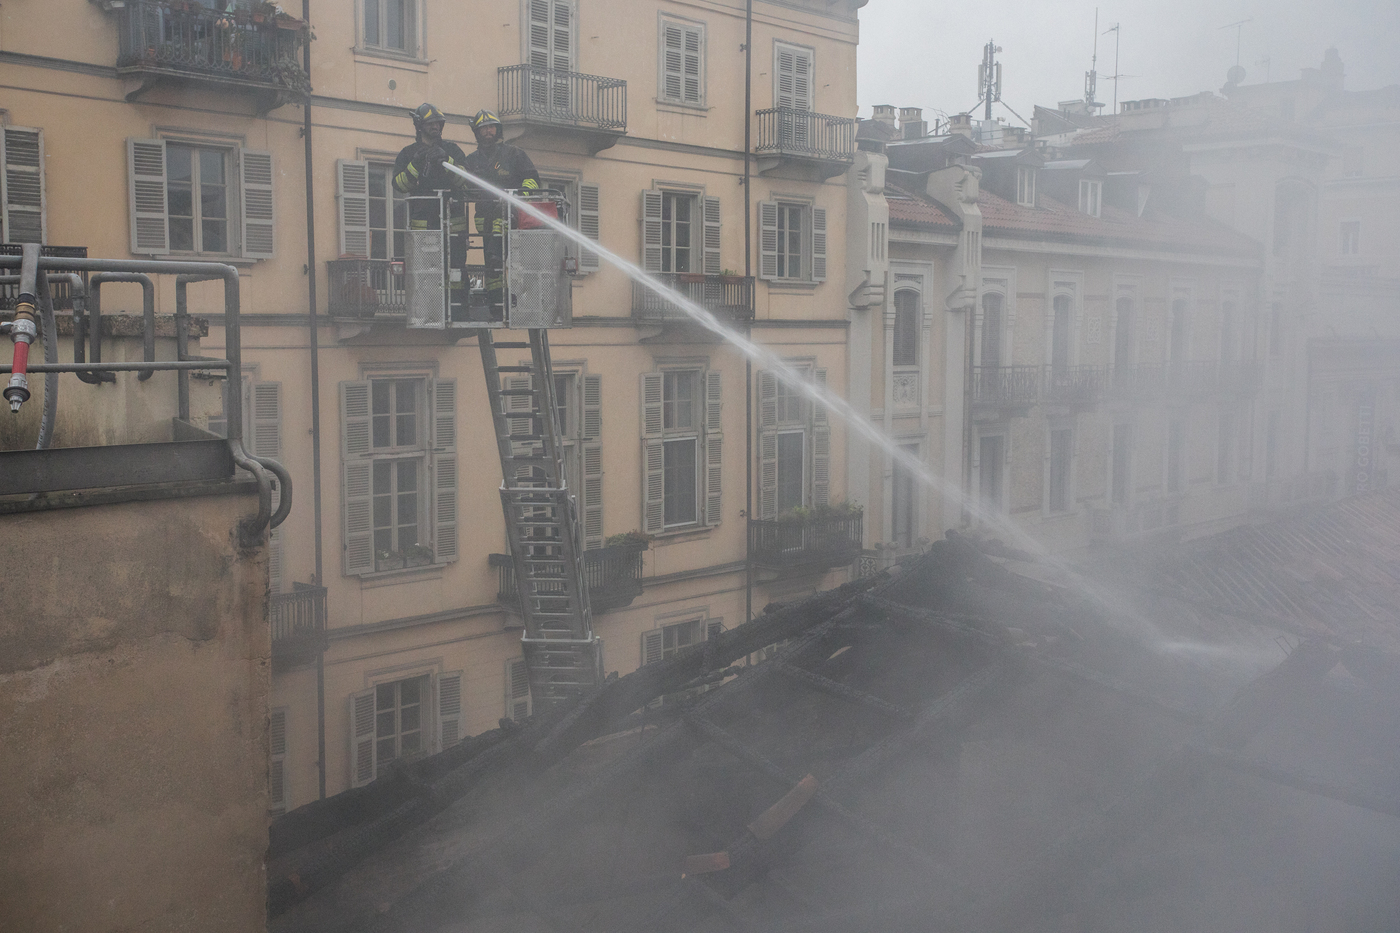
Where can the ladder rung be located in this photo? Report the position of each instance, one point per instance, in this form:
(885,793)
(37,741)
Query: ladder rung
(515,369)
(510,345)
(515,392)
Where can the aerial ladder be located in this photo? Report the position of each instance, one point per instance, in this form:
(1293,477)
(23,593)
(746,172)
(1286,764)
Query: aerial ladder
(445,292)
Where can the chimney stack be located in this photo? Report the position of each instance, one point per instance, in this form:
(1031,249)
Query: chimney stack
(961,124)
(911,123)
(884,113)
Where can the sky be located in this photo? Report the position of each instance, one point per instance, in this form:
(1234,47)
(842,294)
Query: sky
(918,53)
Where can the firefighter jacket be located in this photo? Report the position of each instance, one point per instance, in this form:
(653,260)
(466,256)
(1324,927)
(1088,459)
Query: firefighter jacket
(505,166)
(412,175)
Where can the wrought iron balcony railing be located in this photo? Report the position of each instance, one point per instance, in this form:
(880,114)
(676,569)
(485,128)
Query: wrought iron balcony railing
(787,131)
(365,289)
(614,576)
(1006,386)
(825,540)
(187,39)
(729,296)
(561,98)
(298,623)
(1073,385)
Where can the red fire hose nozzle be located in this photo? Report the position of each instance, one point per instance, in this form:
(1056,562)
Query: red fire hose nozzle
(23,333)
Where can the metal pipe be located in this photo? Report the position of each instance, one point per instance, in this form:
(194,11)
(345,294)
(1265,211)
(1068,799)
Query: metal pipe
(22,330)
(148,311)
(50,337)
(159,365)
(748,277)
(182,341)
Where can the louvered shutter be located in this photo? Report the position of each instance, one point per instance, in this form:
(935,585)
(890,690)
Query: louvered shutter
(551,49)
(768,239)
(276,766)
(449,695)
(444,397)
(362,757)
(150,217)
(784,91)
(357,518)
(267,442)
(673,62)
(794,82)
(590,225)
(653,456)
(592,449)
(821,449)
(818,244)
(22,186)
(651,231)
(712,257)
(767,445)
(255,175)
(692,79)
(652,646)
(517,690)
(713,628)
(352,191)
(714,448)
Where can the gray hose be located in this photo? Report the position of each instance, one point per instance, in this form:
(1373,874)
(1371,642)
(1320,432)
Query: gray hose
(49,334)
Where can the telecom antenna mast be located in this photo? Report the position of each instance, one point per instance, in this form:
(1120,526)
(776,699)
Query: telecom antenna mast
(1091,77)
(989,77)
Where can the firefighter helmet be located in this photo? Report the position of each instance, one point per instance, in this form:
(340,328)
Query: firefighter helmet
(483,119)
(427,113)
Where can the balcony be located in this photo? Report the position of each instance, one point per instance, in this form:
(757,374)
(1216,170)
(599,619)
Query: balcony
(562,104)
(366,290)
(1006,387)
(728,297)
(298,625)
(815,542)
(613,574)
(1074,386)
(184,42)
(800,144)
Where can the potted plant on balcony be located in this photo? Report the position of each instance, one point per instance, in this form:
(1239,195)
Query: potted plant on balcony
(633,540)
(730,277)
(385,559)
(417,555)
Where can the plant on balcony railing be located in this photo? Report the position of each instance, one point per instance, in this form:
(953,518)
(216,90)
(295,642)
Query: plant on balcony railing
(365,288)
(727,295)
(613,573)
(564,98)
(826,535)
(260,45)
(792,132)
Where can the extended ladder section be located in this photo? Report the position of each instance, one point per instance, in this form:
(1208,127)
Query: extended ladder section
(561,652)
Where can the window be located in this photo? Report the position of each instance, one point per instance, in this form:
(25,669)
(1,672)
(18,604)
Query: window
(1271,438)
(583,202)
(1025,186)
(1058,475)
(391,26)
(199,198)
(1061,309)
(1224,447)
(1350,238)
(1121,478)
(1176,456)
(22,215)
(666,640)
(1123,334)
(682,67)
(792,242)
(1177,350)
(1090,197)
(401,719)
(680,232)
(399,491)
(991,454)
(676,218)
(277,763)
(992,303)
(388,214)
(681,446)
(517,690)
(904,501)
(1227,331)
(907,328)
(792,77)
(794,446)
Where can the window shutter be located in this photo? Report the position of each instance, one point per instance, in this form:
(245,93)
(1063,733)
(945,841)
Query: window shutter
(786,67)
(277,757)
(802,80)
(818,244)
(274,560)
(768,239)
(651,231)
(22,186)
(712,258)
(150,219)
(714,448)
(445,547)
(653,456)
(267,442)
(449,709)
(713,628)
(691,79)
(821,449)
(767,445)
(651,646)
(589,224)
(592,461)
(357,521)
(255,174)
(362,758)
(517,690)
(673,62)
(352,191)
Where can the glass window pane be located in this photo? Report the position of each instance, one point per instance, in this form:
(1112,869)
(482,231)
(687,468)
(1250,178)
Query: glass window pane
(409,720)
(213,201)
(411,742)
(384,723)
(385,747)
(211,167)
(791,447)
(679,475)
(371,22)
(215,236)
(393,24)
(380,392)
(384,696)
(180,200)
(178,163)
(410,690)
(383,477)
(181,234)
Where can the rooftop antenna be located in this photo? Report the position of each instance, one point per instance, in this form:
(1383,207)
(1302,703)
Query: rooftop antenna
(1091,77)
(1236,73)
(989,77)
(1117,41)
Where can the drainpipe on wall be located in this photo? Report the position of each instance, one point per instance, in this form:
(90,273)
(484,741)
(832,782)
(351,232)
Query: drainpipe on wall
(753,296)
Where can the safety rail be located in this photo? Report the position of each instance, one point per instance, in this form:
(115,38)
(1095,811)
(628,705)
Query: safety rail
(787,131)
(366,288)
(730,296)
(1006,386)
(561,98)
(614,576)
(1073,385)
(826,540)
(185,38)
(298,623)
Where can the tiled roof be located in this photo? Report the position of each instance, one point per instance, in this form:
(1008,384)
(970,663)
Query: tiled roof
(909,210)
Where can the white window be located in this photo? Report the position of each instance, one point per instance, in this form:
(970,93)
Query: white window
(791,242)
(1090,197)
(682,447)
(399,491)
(22,215)
(794,446)
(1349,243)
(200,198)
(402,718)
(391,26)
(584,217)
(682,65)
(1025,186)
(908,325)
(680,232)
(578,403)
(1058,493)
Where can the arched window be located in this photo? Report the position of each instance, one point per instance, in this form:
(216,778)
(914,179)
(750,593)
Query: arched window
(906,328)
(991,329)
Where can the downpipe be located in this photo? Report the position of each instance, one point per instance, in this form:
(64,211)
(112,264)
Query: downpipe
(22,329)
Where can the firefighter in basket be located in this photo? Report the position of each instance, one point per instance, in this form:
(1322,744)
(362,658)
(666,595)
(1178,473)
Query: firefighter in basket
(504,166)
(418,172)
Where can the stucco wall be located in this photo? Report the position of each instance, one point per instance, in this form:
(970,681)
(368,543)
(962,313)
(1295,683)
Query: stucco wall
(134,670)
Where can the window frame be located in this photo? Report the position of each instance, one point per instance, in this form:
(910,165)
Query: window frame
(1063,472)
(228,157)
(812,228)
(1025,185)
(784,412)
(665,21)
(418,33)
(996,504)
(394,204)
(904,499)
(675,434)
(1349,237)
(1090,197)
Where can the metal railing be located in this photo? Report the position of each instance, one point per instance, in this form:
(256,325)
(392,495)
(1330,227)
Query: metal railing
(726,295)
(365,288)
(614,576)
(822,539)
(1006,385)
(561,98)
(792,132)
(189,38)
(59,290)
(1073,385)
(298,622)
(1022,386)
